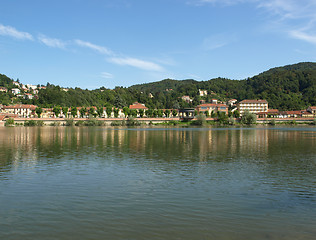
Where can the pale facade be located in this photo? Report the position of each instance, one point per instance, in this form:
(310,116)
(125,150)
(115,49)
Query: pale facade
(20,110)
(253,106)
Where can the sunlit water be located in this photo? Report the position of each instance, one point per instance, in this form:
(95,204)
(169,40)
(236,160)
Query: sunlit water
(175,183)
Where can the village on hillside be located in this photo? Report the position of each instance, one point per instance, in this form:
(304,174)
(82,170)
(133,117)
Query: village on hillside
(213,109)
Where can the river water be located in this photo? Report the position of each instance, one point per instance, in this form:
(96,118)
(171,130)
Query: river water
(157,183)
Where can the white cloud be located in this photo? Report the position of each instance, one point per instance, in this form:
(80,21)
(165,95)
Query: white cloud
(145,65)
(100,49)
(106,75)
(52,42)
(12,32)
(303,36)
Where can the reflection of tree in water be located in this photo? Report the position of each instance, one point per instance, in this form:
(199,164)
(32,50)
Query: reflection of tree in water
(155,146)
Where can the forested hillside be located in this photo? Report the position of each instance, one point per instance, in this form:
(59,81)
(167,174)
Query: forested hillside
(285,88)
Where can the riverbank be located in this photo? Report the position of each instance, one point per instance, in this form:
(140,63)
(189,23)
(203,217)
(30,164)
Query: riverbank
(143,121)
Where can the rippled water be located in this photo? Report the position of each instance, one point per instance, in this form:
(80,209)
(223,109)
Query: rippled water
(181,183)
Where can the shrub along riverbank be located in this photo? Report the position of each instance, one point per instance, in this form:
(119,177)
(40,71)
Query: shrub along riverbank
(200,120)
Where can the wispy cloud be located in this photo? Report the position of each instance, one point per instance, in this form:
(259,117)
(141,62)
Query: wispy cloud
(308,37)
(124,61)
(289,16)
(52,42)
(134,62)
(106,75)
(100,49)
(216,41)
(12,32)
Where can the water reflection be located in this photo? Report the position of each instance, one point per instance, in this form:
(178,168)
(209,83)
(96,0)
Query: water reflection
(173,183)
(29,144)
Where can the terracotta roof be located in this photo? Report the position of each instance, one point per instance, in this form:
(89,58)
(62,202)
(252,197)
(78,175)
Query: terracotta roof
(253,101)
(313,107)
(212,105)
(21,106)
(293,112)
(137,106)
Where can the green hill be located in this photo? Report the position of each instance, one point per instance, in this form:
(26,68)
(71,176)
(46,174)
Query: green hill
(291,87)
(286,88)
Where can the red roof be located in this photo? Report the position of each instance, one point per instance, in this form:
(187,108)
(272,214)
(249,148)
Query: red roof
(212,105)
(253,101)
(137,106)
(21,106)
(313,107)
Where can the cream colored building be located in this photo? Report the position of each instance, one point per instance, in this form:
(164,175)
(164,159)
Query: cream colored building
(20,110)
(253,106)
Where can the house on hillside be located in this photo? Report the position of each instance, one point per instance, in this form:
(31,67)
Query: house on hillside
(187,99)
(15,91)
(312,109)
(202,93)
(3,89)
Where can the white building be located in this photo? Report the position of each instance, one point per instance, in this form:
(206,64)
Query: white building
(253,106)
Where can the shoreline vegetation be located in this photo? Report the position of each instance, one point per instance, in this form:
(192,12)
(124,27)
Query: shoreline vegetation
(200,120)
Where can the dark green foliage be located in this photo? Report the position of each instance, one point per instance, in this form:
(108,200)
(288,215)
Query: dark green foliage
(248,118)
(32,123)
(9,122)
(132,122)
(200,120)
(39,111)
(70,122)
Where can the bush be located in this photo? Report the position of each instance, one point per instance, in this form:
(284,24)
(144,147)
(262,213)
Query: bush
(272,122)
(70,122)
(200,121)
(314,121)
(32,123)
(248,118)
(116,123)
(55,124)
(132,122)
(9,122)
(231,121)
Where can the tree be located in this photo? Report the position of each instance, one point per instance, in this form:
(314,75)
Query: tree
(108,111)
(39,111)
(236,114)
(116,112)
(100,111)
(65,111)
(126,111)
(141,112)
(149,112)
(159,113)
(174,112)
(92,111)
(133,113)
(56,111)
(167,113)
(83,111)
(73,111)
(248,118)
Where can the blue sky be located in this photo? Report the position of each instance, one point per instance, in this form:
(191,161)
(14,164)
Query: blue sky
(111,43)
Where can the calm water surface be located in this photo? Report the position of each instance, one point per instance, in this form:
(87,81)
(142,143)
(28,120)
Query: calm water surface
(101,183)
